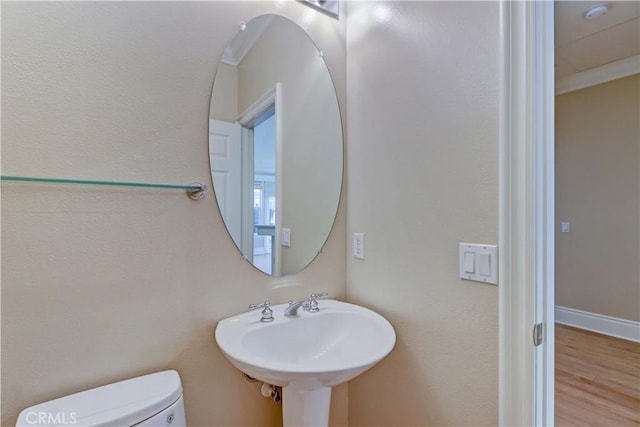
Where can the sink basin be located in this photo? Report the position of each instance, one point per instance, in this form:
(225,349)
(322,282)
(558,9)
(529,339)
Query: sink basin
(325,348)
(307,354)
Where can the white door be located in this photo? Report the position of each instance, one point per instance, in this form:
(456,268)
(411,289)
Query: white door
(225,155)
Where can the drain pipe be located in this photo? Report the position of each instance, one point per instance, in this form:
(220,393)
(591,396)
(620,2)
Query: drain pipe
(267,390)
(272,391)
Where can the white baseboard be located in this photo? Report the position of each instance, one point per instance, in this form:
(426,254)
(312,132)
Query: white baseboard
(606,325)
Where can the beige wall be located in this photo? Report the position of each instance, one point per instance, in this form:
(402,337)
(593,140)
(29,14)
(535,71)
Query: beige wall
(102,284)
(597,191)
(423,177)
(224,106)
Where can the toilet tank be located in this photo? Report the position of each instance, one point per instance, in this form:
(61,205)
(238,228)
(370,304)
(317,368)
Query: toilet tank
(150,400)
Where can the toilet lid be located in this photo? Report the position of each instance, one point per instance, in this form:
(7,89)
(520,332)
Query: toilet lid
(119,404)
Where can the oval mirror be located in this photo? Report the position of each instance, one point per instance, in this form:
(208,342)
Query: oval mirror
(275,145)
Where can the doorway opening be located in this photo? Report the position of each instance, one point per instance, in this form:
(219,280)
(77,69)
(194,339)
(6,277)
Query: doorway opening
(597,212)
(262,181)
(264,191)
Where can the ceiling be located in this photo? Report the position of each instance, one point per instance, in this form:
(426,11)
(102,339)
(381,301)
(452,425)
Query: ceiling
(582,44)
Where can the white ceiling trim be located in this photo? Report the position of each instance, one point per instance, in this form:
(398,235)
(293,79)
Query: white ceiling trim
(595,76)
(229,59)
(242,43)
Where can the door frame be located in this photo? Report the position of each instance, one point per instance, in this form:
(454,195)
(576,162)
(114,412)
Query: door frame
(270,99)
(526,218)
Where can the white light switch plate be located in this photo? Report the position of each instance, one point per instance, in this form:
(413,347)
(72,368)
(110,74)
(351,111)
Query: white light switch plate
(479,263)
(285,237)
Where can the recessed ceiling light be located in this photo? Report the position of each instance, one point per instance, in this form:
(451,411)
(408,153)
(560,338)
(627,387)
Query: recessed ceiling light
(597,11)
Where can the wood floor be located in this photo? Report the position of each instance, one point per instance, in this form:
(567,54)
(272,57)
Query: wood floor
(597,379)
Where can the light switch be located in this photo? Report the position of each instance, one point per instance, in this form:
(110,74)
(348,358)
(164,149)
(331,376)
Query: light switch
(565,227)
(484,263)
(469,262)
(478,263)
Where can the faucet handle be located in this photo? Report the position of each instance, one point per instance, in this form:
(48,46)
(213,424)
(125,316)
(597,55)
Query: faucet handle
(267,313)
(264,304)
(313,301)
(320,295)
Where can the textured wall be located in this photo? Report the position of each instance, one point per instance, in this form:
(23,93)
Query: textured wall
(102,284)
(423,176)
(597,191)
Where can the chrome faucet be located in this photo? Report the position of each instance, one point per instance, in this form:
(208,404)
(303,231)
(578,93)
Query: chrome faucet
(313,302)
(310,305)
(267,313)
(292,310)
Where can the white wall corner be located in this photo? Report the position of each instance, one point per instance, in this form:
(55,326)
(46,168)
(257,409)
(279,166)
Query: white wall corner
(598,75)
(606,325)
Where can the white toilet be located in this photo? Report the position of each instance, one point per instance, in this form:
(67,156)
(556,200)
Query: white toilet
(150,400)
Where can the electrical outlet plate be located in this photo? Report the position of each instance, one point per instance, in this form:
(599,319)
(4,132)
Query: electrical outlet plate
(285,237)
(358,245)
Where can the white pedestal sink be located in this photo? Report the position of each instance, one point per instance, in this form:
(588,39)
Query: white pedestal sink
(307,354)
